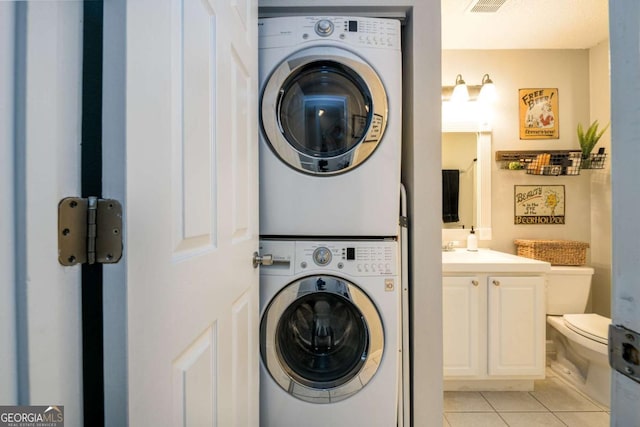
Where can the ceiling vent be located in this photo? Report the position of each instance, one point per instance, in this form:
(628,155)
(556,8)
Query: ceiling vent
(485,6)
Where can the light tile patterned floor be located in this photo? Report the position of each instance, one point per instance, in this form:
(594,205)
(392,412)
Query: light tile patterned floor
(552,403)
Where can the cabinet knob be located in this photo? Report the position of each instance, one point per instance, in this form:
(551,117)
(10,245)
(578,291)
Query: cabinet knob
(474,282)
(496,282)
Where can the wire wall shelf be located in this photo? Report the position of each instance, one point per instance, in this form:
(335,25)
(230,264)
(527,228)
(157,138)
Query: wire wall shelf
(550,162)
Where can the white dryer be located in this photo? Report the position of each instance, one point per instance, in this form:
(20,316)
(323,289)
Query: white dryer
(329,333)
(330,115)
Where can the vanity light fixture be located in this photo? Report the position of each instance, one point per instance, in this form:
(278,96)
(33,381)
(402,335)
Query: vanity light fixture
(461,92)
(488,90)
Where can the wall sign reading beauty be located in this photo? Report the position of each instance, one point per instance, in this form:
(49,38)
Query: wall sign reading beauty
(539,204)
(539,114)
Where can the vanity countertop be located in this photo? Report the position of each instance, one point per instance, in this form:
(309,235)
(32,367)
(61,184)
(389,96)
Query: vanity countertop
(486,260)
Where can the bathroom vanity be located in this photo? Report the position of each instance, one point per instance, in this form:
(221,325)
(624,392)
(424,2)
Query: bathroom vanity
(493,320)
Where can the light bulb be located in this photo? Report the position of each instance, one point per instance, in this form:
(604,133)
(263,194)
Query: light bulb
(488,90)
(460,91)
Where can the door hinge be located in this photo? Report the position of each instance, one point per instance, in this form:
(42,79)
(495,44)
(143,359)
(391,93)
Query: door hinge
(89,231)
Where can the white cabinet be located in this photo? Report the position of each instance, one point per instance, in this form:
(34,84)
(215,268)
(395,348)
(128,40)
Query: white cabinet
(493,327)
(516,322)
(462,300)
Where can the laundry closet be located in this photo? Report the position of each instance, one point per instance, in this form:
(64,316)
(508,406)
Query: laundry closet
(330,283)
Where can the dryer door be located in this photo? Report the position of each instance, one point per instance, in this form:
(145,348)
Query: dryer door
(323,111)
(322,339)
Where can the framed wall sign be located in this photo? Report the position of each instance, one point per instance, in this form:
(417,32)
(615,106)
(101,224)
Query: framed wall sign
(539,117)
(539,204)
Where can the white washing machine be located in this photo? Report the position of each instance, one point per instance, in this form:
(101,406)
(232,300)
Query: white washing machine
(330,115)
(329,333)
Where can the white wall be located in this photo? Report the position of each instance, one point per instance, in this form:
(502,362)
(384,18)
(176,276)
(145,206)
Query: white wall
(567,70)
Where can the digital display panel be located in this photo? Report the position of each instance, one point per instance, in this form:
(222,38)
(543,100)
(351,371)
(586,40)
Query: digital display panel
(351,253)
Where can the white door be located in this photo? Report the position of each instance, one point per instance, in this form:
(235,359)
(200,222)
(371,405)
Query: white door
(8,353)
(625,62)
(516,326)
(463,312)
(40,314)
(191,212)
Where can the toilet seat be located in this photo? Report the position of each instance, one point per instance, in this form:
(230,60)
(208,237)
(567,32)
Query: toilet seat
(589,325)
(562,326)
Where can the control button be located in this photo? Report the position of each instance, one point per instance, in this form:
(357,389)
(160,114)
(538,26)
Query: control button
(324,27)
(380,267)
(387,266)
(342,36)
(366,268)
(373,267)
(322,256)
(303,264)
(305,36)
(340,265)
(359,268)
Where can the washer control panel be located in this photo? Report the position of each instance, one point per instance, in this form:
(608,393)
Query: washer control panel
(358,31)
(356,258)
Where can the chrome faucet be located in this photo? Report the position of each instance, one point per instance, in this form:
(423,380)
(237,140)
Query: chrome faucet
(448,247)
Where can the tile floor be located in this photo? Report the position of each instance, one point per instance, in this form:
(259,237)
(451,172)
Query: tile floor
(552,403)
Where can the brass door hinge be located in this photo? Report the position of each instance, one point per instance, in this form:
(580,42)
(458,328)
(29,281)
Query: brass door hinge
(89,231)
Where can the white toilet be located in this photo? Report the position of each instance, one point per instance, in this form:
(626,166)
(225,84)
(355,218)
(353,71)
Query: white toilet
(580,339)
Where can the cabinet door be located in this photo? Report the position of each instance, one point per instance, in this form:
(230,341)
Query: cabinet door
(516,319)
(461,309)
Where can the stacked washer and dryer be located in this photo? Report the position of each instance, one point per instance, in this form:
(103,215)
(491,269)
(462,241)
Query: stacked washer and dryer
(330,148)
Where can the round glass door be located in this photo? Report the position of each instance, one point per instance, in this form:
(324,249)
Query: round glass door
(323,114)
(321,339)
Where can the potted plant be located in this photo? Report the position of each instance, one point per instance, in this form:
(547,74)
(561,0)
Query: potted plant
(588,140)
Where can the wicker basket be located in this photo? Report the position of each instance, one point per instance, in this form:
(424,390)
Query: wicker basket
(556,252)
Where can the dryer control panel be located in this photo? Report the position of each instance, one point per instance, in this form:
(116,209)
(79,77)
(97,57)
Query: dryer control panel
(356,258)
(357,31)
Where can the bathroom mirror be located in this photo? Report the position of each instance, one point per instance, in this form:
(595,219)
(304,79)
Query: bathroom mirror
(459,158)
(466,147)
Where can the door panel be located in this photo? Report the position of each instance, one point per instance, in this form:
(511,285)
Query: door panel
(243,357)
(191,208)
(516,325)
(463,311)
(242,126)
(194,384)
(192,82)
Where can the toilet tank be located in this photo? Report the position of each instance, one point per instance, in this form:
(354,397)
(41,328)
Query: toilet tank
(568,289)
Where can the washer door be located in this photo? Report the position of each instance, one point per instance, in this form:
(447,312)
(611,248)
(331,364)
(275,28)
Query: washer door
(321,339)
(323,111)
